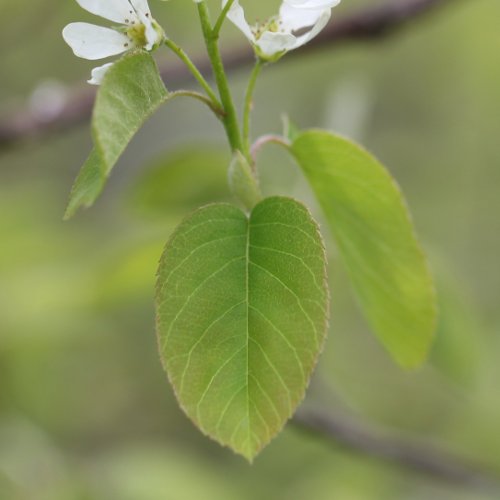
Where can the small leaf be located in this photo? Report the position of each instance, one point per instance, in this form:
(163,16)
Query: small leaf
(376,240)
(290,129)
(131,91)
(243,181)
(242,313)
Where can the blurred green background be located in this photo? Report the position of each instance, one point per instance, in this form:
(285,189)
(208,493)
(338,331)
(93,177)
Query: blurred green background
(85,409)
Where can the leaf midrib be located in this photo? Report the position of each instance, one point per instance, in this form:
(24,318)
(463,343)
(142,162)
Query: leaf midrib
(247,292)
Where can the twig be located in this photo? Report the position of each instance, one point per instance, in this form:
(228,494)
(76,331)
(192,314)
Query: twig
(368,24)
(351,434)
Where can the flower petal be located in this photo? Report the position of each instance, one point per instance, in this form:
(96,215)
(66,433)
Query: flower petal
(142,6)
(312,4)
(98,74)
(118,11)
(272,43)
(320,24)
(236,15)
(95,42)
(295,18)
(152,36)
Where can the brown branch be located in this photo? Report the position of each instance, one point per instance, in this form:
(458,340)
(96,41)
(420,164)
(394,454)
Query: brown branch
(367,440)
(369,24)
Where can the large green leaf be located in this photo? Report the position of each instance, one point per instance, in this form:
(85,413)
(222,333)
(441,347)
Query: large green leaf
(242,313)
(376,239)
(131,91)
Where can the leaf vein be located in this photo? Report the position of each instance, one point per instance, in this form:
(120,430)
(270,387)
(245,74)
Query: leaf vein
(309,269)
(214,376)
(191,295)
(287,341)
(291,226)
(178,266)
(299,302)
(200,339)
(226,408)
(269,399)
(276,371)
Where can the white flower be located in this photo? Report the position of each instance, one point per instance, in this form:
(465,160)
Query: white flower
(298,22)
(138,30)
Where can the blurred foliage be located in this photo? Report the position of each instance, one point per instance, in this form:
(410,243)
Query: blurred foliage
(205,163)
(85,409)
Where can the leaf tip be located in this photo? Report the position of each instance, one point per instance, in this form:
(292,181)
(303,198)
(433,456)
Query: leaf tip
(68,214)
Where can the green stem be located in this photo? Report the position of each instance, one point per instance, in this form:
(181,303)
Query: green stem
(194,70)
(268,139)
(247,113)
(222,18)
(216,108)
(230,119)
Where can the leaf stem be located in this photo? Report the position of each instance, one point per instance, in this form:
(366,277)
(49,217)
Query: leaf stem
(215,107)
(267,139)
(230,119)
(248,104)
(222,18)
(181,54)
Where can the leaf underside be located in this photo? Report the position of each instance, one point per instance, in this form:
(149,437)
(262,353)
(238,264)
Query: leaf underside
(376,240)
(241,315)
(132,90)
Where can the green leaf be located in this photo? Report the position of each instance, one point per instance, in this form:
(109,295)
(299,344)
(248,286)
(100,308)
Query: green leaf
(458,347)
(166,185)
(242,314)
(87,187)
(131,91)
(290,129)
(376,239)
(243,181)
